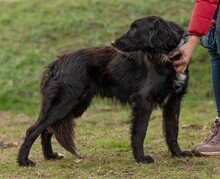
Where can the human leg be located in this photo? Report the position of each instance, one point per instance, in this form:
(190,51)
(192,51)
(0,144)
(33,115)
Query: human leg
(211,145)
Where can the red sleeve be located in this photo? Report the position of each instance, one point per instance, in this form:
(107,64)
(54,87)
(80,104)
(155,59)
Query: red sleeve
(202,15)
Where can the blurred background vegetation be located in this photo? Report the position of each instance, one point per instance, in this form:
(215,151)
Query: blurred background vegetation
(33,32)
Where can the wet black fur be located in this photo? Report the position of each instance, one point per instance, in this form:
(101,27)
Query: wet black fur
(141,76)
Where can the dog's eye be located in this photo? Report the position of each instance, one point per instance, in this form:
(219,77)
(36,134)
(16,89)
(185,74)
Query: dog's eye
(133,29)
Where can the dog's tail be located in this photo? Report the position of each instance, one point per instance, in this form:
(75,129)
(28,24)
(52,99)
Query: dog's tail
(63,131)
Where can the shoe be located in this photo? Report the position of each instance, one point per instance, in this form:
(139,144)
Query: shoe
(205,141)
(209,138)
(211,145)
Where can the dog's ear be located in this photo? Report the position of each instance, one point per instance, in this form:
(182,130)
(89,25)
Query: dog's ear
(163,37)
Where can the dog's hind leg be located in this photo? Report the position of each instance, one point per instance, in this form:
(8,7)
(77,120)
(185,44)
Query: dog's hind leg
(46,136)
(64,130)
(142,110)
(45,119)
(31,134)
(171,113)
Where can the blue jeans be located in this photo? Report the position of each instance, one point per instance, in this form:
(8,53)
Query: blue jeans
(214,53)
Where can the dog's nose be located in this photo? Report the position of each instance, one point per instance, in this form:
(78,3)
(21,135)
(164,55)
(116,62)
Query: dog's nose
(113,43)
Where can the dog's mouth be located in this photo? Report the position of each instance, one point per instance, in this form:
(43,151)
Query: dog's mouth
(117,46)
(122,48)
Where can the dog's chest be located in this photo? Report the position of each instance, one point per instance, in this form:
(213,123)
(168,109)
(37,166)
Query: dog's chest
(179,81)
(177,85)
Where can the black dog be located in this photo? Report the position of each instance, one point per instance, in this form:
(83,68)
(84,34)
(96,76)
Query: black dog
(141,76)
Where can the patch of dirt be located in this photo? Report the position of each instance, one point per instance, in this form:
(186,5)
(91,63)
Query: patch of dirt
(9,131)
(6,145)
(193,127)
(106,108)
(7,118)
(4,116)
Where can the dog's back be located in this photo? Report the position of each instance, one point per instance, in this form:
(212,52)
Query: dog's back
(101,71)
(106,72)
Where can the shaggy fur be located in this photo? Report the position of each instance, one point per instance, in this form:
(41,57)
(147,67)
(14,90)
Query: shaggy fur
(142,76)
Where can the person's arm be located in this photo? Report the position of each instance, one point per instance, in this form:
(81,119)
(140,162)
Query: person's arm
(202,16)
(199,25)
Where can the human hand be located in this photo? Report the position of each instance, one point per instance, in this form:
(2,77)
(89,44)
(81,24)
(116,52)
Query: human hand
(213,23)
(186,51)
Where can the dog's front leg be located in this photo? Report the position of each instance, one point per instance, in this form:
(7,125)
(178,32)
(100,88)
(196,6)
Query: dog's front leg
(140,117)
(171,113)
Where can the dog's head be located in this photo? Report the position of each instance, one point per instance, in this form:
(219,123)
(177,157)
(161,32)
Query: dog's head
(150,33)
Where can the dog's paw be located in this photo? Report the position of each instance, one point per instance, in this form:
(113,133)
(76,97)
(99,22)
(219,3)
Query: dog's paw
(145,159)
(26,163)
(54,156)
(186,154)
(183,154)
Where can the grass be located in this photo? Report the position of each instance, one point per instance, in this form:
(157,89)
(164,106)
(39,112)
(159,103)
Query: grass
(34,32)
(103,140)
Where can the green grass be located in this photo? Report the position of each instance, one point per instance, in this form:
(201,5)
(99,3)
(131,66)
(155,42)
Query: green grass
(33,32)
(102,138)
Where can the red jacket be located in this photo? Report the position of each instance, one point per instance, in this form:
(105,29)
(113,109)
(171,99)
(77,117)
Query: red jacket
(202,15)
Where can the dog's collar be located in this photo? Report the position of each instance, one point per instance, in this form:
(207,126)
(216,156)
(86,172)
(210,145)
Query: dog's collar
(182,41)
